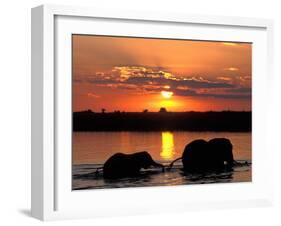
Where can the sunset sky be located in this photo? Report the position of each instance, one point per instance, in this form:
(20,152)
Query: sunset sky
(133,74)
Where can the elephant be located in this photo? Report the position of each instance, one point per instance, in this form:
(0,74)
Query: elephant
(200,156)
(122,165)
(222,156)
(195,157)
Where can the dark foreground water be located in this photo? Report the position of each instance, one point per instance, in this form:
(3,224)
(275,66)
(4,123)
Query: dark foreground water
(84,177)
(92,149)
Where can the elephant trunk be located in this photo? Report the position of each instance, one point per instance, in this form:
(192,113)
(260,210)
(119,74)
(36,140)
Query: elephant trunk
(155,164)
(172,163)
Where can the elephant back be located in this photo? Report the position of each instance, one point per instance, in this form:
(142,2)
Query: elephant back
(119,165)
(194,156)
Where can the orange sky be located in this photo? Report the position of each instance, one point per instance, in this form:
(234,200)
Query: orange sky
(129,74)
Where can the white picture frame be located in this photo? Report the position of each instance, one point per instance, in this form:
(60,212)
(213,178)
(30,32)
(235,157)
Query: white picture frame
(52,197)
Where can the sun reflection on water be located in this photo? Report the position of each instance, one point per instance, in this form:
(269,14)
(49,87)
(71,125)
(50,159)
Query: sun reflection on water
(168,151)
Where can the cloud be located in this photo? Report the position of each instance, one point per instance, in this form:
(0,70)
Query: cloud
(240,90)
(149,80)
(204,84)
(224,78)
(231,69)
(92,95)
(138,75)
(214,95)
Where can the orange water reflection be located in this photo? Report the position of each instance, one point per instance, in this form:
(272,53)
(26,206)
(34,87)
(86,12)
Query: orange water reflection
(168,148)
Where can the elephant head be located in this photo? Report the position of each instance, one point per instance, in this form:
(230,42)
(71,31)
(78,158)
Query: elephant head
(128,165)
(222,152)
(144,160)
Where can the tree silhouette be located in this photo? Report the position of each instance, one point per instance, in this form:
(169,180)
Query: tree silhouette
(162,110)
(145,111)
(103,110)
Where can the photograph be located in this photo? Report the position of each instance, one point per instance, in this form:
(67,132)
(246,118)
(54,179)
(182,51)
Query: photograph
(160,112)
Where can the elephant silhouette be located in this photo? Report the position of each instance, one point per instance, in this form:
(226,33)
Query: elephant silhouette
(200,156)
(122,165)
(222,156)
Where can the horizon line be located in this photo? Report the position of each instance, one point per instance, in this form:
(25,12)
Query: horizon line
(122,111)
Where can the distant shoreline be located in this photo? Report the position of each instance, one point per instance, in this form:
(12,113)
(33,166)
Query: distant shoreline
(223,121)
(160,131)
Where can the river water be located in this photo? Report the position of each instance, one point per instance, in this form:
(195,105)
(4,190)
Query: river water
(92,149)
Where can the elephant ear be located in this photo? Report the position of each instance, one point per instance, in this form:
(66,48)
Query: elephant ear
(147,161)
(142,159)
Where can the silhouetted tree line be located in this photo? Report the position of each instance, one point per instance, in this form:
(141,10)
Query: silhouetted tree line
(231,121)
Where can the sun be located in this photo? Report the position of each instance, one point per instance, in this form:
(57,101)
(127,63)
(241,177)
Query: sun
(167,94)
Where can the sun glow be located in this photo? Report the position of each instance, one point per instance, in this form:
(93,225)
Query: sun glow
(167,94)
(168,147)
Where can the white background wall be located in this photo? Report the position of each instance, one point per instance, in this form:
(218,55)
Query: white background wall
(15,111)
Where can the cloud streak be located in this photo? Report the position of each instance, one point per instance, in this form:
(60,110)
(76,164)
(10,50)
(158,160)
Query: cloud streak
(149,80)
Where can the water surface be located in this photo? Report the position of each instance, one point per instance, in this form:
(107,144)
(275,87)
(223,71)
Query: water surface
(92,149)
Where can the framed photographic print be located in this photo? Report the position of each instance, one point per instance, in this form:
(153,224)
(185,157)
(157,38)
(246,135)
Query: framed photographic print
(137,112)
